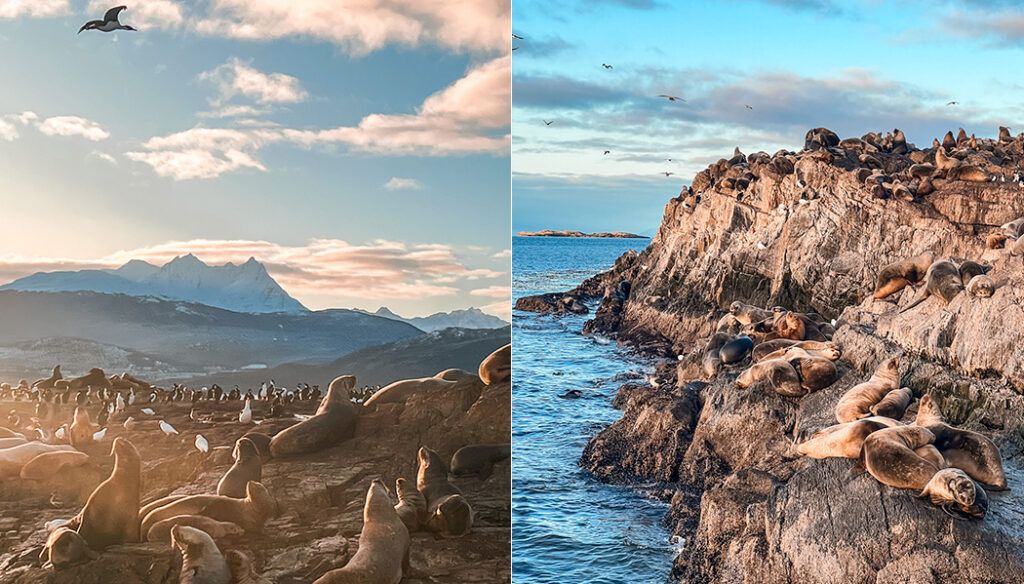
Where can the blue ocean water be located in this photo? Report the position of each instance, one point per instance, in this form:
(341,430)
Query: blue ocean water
(567,527)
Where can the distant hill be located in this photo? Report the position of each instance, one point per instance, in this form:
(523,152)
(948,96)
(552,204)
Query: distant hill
(420,357)
(246,287)
(203,338)
(470,318)
(34,359)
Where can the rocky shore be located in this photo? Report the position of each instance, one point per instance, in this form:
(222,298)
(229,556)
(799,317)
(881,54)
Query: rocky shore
(564,233)
(809,231)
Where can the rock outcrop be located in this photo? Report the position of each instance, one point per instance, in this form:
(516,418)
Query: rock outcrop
(809,231)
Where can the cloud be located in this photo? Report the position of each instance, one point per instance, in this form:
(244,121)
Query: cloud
(364,26)
(397,183)
(493,292)
(231,111)
(8,131)
(34,8)
(104,156)
(144,14)
(505,253)
(236,77)
(468,117)
(73,126)
(502,310)
(379,269)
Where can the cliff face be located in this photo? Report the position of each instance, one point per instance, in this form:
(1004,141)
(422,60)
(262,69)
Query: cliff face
(810,231)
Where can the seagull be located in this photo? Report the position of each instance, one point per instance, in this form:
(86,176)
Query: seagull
(97,436)
(517,37)
(607,152)
(515,48)
(671,97)
(245,416)
(607,66)
(953,103)
(668,173)
(167,428)
(147,411)
(60,434)
(54,524)
(748,107)
(119,407)
(547,123)
(202,444)
(129,423)
(131,396)
(109,22)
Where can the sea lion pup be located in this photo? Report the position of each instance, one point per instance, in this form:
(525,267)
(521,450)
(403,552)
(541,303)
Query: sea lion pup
(249,513)
(969,451)
(111,515)
(201,561)
(497,366)
(711,362)
(981,286)
(81,428)
(748,313)
(969,270)
(762,350)
(333,422)
(400,391)
(262,442)
(736,350)
(448,512)
(889,456)
(49,382)
(248,466)
(1014,229)
(242,569)
(897,275)
(942,280)
(894,404)
(479,459)
(995,241)
(64,547)
(411,504)
(14,459)
(48,464)
(383,554)
(952,489)
(815,372)
(843,440)
(779,373)
(161,530)
(856,403)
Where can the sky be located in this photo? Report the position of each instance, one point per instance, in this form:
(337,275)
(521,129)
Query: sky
(359,148)
(851,66)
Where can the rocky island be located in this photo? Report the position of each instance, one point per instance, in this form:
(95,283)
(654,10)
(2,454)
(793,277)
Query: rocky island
(810,232)
(565,233)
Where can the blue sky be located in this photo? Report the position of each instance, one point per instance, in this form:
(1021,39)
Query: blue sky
(361,151)
(853,67)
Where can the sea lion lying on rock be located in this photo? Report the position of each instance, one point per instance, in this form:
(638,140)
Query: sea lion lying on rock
(843,440)
(333,422)
(942,280)
(161,530)
(14,458)
(889,455)
(981,286)
(972,452)
(896,276)
(952,489)
(400,391)
(249,513)
(479,459)
(748,313)
(95,379)
(782,377)
(857,402)
(711,362)
(201,561)
(769,348)
(411,507)
(497,367)
(894,404)
(736,350)
(65,547)
(448,512)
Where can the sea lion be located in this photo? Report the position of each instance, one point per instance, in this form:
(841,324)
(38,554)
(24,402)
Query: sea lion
(9,442)
(830,353)
(1017,248)
(65,547)
(333,422)
(249,513)
(111,515)
(8,433)
(736,350)
(711,362)
(995,241)
(497,367)
(248,466)
(411,504)
(843,440)
(727,324)
(894,404)
(201,561)
(14,459)
(969,269)
(1013,229)
(262,442)
(944,162)
(897,275)
(448,512)
(242,569)
(788,326)
(856,403)
(942,280)
(889,456)
(400,391)
(951,488)
(95,378)
(778,372)
(815,372)
(981,286)
(479,459)
(49,382)
(383,555)
(161,530)
(47,464)
(972,452)
(748,313)
(455,374)
(763,350)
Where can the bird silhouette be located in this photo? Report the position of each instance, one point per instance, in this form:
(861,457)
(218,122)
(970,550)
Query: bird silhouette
(953,103)
(607,152)
(748,107)
(109,22)
(606,66)
(666,173)
(547,123)
(517,37)
(671,97)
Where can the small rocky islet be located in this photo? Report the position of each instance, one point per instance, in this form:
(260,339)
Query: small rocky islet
(807,234)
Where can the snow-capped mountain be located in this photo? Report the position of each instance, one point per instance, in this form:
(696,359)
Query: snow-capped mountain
(470,318)
(241,288)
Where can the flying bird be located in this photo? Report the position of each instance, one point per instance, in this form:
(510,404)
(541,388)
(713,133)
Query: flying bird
(515,48)
(671,97)
(607,66)
(666,173)
(517,37)
(748,107)
(245,416)
(167,428)
(109,22)
(607,152)
(547,123)
(953,103)
(202,444)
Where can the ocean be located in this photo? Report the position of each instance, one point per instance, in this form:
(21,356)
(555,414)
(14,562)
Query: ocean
(568,528)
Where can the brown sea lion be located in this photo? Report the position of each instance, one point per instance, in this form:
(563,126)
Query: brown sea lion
(969,269)
(995,241)
(952,489)
(333,422)
(1017,248)
(897,275)
(843,440)
(82,428)
(497,367)
(763,350)
(49,382)
(972,452)
(748,313)
(736,350)
(711,362)
(47,464)
(201,561)
(782,377)
(64,547)
(1013,229)
(95,379)
(262,442)
(894,404)
(455,374)
(242,568)
(815,372)
(981,286)
(400,391)
(888,454)
(789,326)
(14,458)
(479,459)
(249,513)
(383,555)
(161,530)
(856,403)
(111,515)
(448,512)
(942,280)
(831,353)
(248,466)
(411,505)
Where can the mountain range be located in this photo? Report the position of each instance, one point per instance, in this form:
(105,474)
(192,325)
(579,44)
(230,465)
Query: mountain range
(470,318)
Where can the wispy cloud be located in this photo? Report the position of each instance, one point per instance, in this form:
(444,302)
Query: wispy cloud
(397,183)
(8,131)
(493,292)
(34,8)
(145,14)
(73,126)
(236,77)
